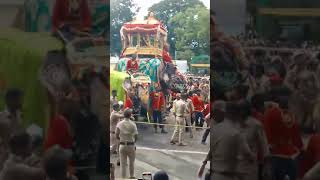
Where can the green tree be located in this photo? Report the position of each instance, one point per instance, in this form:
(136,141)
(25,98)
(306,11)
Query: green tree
(166,9)
(192,31)
(122,11)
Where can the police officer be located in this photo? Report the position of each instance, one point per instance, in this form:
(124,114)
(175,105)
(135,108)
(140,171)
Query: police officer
(179,110)
(114,120)
(188,113)
(227,144)
(127,133)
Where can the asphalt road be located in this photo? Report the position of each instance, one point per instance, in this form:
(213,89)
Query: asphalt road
(154,152)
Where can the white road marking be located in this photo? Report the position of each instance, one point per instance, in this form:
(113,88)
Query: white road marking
(172,150)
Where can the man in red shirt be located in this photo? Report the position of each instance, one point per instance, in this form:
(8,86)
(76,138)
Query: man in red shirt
(59,130)
(284,138)
(198,109)
(165,54)
(128,103)
(132,64)
(158,101)
(72,17)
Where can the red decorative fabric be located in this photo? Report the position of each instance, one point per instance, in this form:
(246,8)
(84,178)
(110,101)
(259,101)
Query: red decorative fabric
(128,103)
(132,65)
(62,15)
(166,57)
(59,133)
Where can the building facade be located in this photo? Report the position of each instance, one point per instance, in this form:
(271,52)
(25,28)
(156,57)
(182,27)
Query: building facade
(285,19)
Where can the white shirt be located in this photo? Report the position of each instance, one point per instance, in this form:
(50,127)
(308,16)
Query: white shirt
(128,130)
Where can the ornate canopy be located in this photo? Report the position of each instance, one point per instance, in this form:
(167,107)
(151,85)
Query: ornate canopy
(145,37)
(149,25)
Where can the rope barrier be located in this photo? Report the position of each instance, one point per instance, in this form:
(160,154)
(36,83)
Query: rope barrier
(79,168)
(174,125)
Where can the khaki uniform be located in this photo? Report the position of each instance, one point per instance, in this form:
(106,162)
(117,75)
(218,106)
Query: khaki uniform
(18,168)
(257,141)
(180,108)
(114,120)
(227,144)
(127,131)
(8,125)
(188,115)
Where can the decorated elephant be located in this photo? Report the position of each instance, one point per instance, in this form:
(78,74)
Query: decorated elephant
(158,71)
(228,61)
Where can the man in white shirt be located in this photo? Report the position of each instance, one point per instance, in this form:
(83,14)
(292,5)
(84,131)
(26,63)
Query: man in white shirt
(114,120)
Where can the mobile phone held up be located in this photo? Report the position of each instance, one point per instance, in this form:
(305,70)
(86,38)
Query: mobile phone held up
(147,176)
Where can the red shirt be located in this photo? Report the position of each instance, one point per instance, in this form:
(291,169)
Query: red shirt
(63,15)
(197,103)
(132,65)
(312,154)
(284,140)
(173,94)
(59,133)
(166,56)
(206,110)
(128,103)
(157,100)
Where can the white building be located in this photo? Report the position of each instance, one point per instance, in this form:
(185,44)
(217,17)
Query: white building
(182,65)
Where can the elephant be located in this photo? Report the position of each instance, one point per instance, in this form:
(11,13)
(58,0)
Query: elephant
(159,72)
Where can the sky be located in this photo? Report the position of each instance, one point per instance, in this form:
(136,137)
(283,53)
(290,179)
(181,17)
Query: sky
(145,4)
